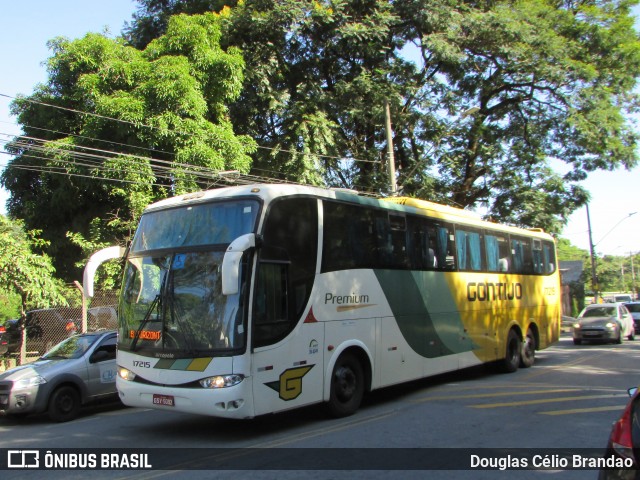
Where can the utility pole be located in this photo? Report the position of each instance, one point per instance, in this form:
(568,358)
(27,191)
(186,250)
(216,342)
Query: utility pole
(391,163)
(633,279)
(594,278)
(84,306)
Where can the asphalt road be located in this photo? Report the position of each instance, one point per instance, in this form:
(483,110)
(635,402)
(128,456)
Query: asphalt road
(568,400)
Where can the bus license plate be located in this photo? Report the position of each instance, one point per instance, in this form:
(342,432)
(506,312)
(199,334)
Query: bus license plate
(164,400)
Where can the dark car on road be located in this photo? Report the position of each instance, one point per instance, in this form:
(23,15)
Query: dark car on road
(45,328)
(10,337)
(4,339)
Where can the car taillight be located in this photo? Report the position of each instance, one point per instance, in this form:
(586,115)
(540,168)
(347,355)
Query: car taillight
(621,434)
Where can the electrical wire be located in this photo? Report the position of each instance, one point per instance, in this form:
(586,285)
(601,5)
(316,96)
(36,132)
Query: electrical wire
(139,125)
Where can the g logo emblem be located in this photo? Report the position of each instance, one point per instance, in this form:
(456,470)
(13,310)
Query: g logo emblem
(289,386)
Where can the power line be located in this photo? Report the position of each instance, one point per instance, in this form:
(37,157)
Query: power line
(139,125)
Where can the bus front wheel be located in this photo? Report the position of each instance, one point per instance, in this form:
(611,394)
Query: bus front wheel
(347,386)
(512,356)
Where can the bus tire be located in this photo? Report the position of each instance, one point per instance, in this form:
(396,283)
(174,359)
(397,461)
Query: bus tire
(347,386)
(64,404)
(511,360)
(528,353)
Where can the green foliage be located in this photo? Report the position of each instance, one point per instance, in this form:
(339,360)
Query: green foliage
(10,306)
(25,272)
(567,251)
(94,174)
(196,90)
(615,273)
(550,80)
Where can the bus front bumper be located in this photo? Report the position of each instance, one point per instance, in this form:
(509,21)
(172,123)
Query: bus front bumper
(229,402)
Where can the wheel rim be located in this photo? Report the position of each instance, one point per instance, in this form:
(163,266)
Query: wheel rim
(345,383)
(65,403)
(529,349)
(513,350)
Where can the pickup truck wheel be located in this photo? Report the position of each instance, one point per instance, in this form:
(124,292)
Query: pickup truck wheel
(64,404)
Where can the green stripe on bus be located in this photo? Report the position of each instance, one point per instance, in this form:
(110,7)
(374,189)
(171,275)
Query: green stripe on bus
(428,334)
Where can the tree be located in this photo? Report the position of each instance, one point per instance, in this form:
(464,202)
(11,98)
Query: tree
(568,251)
(9,305)
(547,81)
(115,128)
(26,272)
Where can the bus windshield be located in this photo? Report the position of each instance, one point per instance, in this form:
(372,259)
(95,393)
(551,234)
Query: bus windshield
(172,303)
(206,224)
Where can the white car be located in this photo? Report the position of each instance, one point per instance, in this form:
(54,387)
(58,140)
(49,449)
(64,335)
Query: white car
(608,322)
(634,308)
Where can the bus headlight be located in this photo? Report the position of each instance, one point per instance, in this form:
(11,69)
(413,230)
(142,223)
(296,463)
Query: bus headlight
(126,374)
(221,381)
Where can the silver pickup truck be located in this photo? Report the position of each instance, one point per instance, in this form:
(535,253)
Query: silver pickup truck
(76,371)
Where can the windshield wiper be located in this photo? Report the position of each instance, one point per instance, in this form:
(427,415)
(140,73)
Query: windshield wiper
(144,322)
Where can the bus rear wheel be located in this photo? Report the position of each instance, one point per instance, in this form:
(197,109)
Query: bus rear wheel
(347,386)
(511,360)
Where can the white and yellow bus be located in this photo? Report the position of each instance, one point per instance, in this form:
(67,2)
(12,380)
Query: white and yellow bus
(242,301)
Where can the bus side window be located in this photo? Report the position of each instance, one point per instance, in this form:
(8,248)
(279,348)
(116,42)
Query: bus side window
(469,250)
(271,303)
(548,257)
(445,247)
(286,267)
(521,255)
(497,252)
(538,263)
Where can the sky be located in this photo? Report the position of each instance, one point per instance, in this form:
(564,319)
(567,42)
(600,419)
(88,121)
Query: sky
(28,24)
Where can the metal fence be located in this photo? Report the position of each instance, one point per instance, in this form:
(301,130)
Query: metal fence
(47,327)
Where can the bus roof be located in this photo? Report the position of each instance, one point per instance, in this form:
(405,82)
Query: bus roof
(268,192)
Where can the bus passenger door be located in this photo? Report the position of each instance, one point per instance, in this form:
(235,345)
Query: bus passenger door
(287,366)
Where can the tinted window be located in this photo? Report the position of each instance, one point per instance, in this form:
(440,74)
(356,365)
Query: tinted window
(205,224)
(286,268)
(360,237)
(521,255)
(497,251)
(469,249)
(600,312)
(633,307)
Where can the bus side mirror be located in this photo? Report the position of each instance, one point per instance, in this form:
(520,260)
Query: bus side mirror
(231,262)
(94,262)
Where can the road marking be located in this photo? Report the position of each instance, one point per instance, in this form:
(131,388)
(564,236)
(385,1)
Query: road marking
(496,394)
(584,410)
(280,442)
(578,361)
(544,400)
